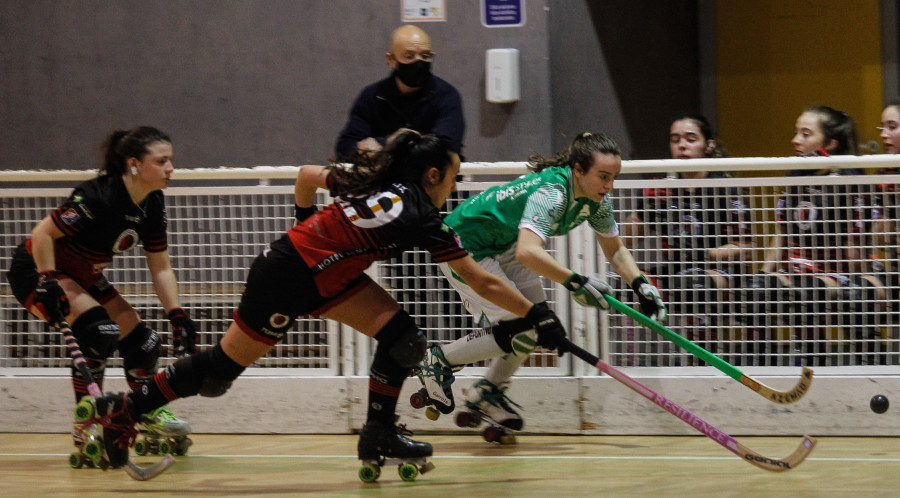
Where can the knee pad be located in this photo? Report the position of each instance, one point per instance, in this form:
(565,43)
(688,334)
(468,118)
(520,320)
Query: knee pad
(697,291)
(208,374)
(764,295)
(96,334)
(515,336)
(402,340)
(140,354)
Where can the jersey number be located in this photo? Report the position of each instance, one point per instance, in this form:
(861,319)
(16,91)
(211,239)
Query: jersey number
(374,211)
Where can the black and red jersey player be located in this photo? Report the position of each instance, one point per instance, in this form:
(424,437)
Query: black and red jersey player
(57,273)
(385,204)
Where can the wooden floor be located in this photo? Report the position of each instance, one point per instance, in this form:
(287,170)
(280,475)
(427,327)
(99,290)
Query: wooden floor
(560,466)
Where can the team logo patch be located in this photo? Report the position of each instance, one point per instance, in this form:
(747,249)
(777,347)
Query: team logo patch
(126,241)
(70,216)
(278,320)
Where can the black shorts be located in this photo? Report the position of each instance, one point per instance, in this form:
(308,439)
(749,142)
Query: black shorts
(23,279)
(280,288)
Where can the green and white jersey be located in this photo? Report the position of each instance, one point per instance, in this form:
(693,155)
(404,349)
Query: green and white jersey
(488,223)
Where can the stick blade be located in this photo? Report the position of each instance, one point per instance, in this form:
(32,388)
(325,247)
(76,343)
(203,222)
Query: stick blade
(772,464)
(139,473)
(782,397)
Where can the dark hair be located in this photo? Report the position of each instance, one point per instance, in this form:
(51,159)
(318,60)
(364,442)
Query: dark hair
(122,145)
(894,102)
(838,126)
(580,151)
(406,158)
(718,150)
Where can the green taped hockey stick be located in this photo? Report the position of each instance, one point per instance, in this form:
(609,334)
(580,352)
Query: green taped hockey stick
(782,397)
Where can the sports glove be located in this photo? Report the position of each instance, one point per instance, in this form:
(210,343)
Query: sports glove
(184,334)
(651,302)
(50,299)
(588,291)
(301,213)
(550,332)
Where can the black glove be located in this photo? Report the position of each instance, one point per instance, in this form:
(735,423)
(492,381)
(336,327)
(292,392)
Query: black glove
(184,334)
(50,299)
(550,332)
(651,301)
(301,213)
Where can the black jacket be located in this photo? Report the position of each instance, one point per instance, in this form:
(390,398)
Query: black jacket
(380,109)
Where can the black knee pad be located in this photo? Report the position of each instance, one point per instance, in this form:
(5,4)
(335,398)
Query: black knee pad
(697,291)
(506,330)
(96,334)
(764,296)
(140,354)
(402,340)
(209,373)
(858,303)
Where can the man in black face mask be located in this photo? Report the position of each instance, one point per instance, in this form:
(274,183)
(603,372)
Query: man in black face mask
(411,97)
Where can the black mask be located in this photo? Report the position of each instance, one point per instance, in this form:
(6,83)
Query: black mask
(414,74)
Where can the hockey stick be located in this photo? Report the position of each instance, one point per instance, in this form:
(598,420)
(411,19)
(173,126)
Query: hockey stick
(754,458)
(781,397)
(133,470)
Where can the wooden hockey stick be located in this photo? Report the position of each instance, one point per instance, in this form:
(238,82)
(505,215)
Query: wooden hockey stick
(772,464)
(134,471)
(781,397)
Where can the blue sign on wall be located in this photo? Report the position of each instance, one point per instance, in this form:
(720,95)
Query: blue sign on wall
(502,13)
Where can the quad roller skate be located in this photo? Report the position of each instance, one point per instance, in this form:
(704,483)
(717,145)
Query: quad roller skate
(383,444)
(89,448)
(109,448)
(436,376)
(488,403)
(163,433)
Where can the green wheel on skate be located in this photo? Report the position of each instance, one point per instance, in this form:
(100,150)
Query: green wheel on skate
(141,447)
(165,447)
(408,472)
(92,449)
(76,460)
(369,473)
(84,409)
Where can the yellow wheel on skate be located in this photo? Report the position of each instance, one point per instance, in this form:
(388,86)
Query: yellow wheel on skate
(141,447)
(92,449)
(84,410)
(76,460)
(165,447)
(432,413)
(408,472)
(369,473)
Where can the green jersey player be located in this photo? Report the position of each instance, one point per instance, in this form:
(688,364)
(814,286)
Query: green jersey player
(506,229)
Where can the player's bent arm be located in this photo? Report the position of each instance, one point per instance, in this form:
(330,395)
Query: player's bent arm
(773,252)
(309,179)
(531,253)
(490,286)
(163,277)
(738,251)
(42,248)
(619,257)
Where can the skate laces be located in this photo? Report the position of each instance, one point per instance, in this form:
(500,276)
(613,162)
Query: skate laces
(128,432)
(161,415)
(497,397)
(439,369)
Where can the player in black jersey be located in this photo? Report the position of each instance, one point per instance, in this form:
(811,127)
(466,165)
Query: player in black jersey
(703,238)
(817,263)
(57,273)
(385,204)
